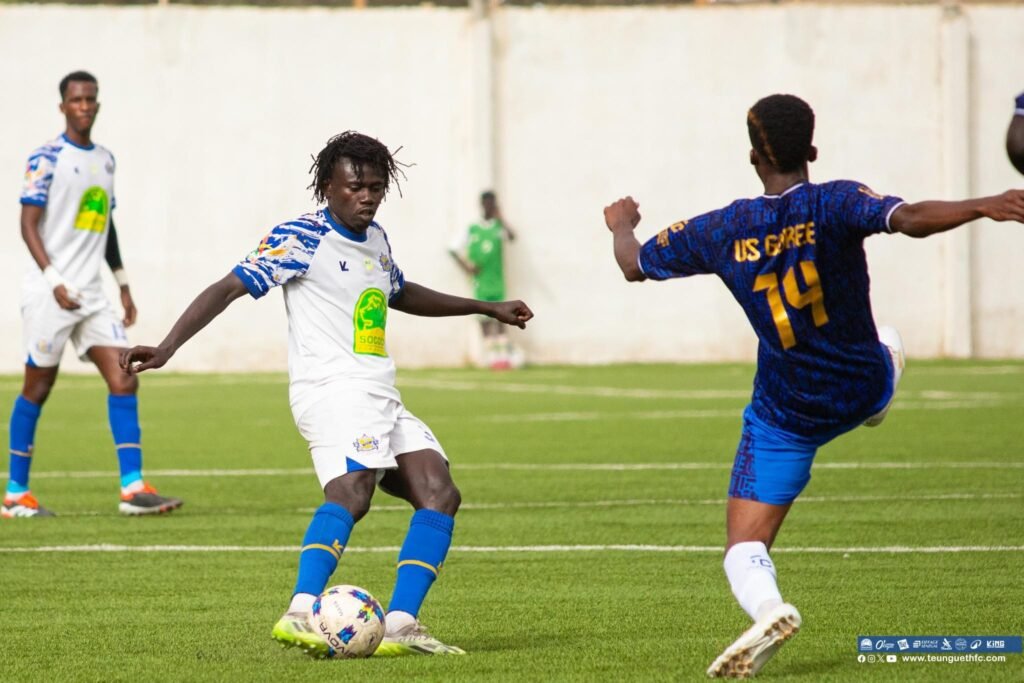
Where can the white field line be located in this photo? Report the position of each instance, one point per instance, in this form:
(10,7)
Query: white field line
(557,467)
(696,414)
(973,370)
(653,502)
(593,416)
(571,390)
(666,502)
(661,394)
(895,549)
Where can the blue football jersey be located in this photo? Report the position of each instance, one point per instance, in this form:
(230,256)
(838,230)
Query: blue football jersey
(795,263)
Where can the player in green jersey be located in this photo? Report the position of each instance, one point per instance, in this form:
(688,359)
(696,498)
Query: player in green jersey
(479,251)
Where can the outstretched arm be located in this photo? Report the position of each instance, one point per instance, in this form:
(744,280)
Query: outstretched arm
(928,218)
(622,217)
(419,300)
(207,306)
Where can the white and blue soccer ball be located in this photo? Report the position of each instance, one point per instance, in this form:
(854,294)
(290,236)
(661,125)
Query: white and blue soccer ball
(350,620)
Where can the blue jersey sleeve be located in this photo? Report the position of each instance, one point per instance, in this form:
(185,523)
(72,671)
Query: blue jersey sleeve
(285,253)
(858,209)
(39,175)
(679,250)
(1019,102)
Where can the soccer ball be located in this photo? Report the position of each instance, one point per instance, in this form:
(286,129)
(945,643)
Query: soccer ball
(350,620)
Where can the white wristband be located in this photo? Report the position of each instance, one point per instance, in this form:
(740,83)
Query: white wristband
(121,277)
(54,278)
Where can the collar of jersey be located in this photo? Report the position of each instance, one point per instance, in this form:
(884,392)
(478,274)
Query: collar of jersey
(65,138)
(342,230)
(786,191)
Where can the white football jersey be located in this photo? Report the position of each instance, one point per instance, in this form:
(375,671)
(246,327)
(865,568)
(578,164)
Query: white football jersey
(337,286)
(75,187)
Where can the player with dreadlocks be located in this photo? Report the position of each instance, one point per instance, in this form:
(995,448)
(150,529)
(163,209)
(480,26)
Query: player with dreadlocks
(794,260)
(340,280)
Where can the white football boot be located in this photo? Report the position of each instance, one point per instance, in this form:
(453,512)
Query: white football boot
(892,341)
(752,650)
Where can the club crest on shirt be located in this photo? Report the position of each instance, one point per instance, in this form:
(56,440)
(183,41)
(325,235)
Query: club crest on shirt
(366,443)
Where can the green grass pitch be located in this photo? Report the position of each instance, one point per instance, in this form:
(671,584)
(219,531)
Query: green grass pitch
(546,581)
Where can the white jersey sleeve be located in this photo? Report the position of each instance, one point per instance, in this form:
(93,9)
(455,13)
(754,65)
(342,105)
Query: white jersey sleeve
(285,253)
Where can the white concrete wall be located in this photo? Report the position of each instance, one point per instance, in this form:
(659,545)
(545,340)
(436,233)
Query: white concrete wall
(213,114)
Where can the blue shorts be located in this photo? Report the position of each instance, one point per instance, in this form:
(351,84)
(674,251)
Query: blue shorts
(773,466)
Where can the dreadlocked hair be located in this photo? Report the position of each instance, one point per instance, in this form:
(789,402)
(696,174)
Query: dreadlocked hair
(781,128)
(362,151)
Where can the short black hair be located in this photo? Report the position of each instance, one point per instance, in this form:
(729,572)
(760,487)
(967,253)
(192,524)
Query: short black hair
(781,128)
(361,150)
(487,194)
(1015,142)
(83,76)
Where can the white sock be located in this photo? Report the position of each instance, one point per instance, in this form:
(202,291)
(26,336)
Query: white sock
(302,602)
(396,620)
(751,574)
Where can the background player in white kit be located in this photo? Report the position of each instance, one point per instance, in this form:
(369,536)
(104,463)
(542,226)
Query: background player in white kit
(66,222)
(339,281)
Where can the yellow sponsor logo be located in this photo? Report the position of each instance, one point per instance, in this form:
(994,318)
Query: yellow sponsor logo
(369,320)
(93,210)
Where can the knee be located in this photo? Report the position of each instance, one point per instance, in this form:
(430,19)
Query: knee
(123,385)
(38,390)
(441,495)
(352,492)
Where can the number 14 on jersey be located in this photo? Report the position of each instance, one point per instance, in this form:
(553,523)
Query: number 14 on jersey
(813,297)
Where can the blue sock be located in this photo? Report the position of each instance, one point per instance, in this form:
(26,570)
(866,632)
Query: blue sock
(123,412)
(23,436)
(322,546)
(423,552)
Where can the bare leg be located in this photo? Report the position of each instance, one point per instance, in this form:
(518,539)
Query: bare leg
(423,479)
(119,382)
(352,491)
(750,520)
(38,383)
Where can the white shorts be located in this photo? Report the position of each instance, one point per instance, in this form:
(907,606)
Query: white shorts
(353,430)
(46,327)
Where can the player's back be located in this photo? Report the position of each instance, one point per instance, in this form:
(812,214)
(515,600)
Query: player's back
(795,263)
